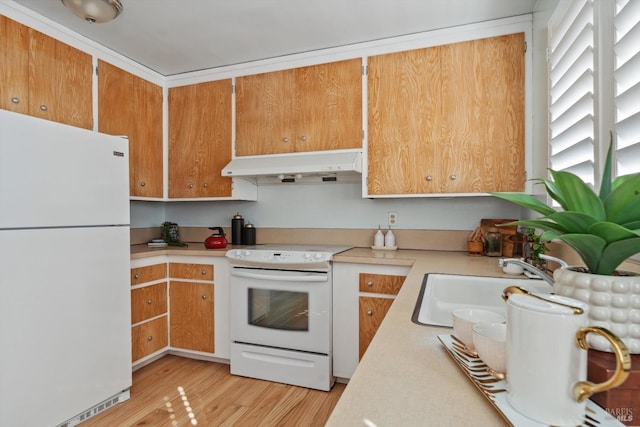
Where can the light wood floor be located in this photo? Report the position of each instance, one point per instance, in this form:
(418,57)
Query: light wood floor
(176,391)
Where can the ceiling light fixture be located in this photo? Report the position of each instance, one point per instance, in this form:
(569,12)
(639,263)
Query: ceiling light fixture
(95,11)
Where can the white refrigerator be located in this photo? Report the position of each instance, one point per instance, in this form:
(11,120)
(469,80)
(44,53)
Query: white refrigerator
(65,331)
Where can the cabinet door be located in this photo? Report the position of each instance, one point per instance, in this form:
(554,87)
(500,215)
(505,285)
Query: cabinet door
(199,139)
(265,113)
(329,113)
(380,283)
(405,119)
(14,72)
(191,271)
(371,314)
(148,337)
(148,302)
(483,136)
(60,82)
(191,316)
(131,106)
(148,273)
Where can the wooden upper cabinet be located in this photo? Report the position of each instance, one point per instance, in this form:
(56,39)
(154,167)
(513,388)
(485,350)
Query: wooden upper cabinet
(405,119)
(483,113)
(448,119)
(44,77)
(14,72)
(329,100)
(265,113)
(199,139)
(129,105)
(311,108)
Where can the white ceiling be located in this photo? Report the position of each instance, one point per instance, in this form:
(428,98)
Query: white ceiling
(178,36)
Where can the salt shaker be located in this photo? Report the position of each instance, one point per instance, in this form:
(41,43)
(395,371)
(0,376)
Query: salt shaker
(378,238)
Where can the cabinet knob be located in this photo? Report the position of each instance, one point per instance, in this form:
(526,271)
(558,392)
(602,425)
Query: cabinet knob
(204,272)
(142,183)
(149,301)
(303,138)
(285,139)
(149,338)
(204,296)
(136,276)
(43,107)
(15,100)
(452,177)
(370,283)
(369,312)
(429,178)
(190,186)
(205,185)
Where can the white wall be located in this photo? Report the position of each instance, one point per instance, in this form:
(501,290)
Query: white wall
(332,205)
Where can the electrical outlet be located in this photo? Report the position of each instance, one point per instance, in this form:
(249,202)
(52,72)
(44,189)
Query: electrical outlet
(393,219)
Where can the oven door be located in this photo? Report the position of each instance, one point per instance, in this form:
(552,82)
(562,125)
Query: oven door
(281,308)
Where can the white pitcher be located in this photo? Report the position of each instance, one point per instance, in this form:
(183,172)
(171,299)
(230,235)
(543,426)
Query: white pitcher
(546,353)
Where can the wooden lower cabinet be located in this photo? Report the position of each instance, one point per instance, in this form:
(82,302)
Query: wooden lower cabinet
(362,296)
(148,273)
(371,314)
(191,316)
(148,338)
(148,302)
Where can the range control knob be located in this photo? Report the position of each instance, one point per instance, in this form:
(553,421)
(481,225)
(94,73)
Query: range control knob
(318,255)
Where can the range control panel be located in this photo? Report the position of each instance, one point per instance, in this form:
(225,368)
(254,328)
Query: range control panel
(279,257)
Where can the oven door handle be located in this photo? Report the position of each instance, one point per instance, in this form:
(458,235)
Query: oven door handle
(280,278)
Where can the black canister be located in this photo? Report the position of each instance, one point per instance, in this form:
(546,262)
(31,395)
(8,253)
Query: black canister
(249,234)
(237,224)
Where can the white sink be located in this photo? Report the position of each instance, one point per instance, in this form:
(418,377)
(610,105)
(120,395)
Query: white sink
(442,293)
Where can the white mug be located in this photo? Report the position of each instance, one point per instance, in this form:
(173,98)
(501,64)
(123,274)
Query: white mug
(546,353)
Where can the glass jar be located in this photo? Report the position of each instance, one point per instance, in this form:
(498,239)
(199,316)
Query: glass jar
(494,242)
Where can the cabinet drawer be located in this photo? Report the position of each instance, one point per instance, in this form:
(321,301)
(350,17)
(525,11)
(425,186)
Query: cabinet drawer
(148,273)
(148,338)
(148,302)
(191,271)
(371,314)
(381,283)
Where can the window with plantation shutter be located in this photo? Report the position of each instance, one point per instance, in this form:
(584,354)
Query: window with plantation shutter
(627,85)
(572,89)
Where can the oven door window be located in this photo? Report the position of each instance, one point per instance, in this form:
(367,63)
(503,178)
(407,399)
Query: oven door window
(283,310)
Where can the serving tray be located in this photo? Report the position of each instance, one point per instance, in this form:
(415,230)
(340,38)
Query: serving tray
(495,390)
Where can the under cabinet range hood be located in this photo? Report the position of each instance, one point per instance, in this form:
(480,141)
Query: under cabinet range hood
(333,166)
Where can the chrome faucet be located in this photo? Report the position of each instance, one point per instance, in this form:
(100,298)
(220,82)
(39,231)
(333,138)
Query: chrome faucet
(544,276)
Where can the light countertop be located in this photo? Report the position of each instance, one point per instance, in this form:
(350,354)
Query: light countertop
(405,378)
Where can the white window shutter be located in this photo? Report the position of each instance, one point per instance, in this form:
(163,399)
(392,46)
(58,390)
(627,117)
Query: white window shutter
(627,85)
(572,88)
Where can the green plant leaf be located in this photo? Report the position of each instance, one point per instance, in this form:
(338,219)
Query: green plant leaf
(577,196)
(527,201)
(573,222)
(605,184)
(588,246)
(616,253)
(611,232)
(623,203)
(633,225)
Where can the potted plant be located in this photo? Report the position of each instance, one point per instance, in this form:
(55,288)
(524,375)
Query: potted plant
(604,229)
(535,247)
